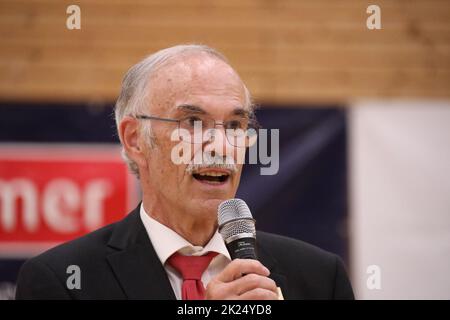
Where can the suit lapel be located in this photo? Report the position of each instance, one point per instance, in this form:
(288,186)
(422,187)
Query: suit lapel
(135,262)
(270,263)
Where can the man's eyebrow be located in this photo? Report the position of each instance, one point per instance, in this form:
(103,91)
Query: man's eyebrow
(241,112)
(190,108)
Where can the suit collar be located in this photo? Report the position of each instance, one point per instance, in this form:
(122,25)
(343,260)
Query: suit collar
(166,241)
(135,263)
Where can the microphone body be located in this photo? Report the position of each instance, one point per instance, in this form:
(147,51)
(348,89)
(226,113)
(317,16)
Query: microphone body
(237,227)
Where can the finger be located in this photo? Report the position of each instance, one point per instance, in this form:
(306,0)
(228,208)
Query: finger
(236,268)
(259,294)
(216,290)
(252,281)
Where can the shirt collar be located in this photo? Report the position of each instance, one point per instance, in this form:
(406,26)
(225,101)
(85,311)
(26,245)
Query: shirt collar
(166,242)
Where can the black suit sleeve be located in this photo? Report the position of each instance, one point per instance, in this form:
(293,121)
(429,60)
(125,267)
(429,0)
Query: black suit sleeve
(37,281)
(342,287)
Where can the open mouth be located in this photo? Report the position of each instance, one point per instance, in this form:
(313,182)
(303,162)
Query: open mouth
(212,177)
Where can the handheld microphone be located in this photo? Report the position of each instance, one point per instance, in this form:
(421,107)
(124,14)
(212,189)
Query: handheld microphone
(237,227)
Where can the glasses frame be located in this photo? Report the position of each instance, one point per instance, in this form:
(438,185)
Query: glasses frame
(253,124)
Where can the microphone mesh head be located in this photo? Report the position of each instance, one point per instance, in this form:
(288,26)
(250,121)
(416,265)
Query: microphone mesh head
(235,218)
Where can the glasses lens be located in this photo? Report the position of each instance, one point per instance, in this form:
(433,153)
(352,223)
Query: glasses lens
(242,138)
(239,133)
(197,126)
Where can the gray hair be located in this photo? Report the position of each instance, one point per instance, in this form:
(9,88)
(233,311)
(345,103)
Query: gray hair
(136,89)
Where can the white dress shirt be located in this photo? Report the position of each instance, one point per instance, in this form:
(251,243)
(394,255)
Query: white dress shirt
(166,242)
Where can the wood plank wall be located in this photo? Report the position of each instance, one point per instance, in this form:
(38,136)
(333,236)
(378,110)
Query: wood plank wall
(287,51)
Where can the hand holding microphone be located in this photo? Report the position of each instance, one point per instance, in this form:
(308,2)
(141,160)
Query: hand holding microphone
(245,277)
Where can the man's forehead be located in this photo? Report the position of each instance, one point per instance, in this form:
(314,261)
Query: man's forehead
(196,77)
(196,67)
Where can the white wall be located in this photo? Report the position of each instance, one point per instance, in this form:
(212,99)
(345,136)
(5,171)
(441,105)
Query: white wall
(400,198)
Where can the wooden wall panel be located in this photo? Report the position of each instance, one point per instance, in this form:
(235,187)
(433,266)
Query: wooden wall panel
(288,52)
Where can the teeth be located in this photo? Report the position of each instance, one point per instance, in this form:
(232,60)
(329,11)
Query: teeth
(213,174)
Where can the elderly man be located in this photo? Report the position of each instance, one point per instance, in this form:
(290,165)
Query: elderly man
(169,246)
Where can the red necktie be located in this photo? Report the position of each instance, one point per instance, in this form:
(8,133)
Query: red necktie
(191,269)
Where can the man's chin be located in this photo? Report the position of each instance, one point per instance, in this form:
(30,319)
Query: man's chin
(207,198)
(208,206)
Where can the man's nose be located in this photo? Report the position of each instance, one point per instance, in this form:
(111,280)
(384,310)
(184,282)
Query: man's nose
(218,144)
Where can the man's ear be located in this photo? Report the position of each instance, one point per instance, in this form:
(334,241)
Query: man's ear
(129,130)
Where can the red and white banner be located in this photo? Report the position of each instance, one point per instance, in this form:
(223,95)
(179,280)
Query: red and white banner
(54,193)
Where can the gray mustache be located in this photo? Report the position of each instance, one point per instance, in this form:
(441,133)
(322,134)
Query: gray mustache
(211,162)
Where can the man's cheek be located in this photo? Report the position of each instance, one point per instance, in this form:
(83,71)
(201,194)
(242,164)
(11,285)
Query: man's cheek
(238,155)
(239,170)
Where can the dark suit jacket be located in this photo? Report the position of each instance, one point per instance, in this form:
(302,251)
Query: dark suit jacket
(118,262)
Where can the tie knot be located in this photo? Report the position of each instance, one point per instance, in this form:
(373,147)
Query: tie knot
(191,267)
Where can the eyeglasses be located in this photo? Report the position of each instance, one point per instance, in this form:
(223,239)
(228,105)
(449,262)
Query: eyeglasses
(240,132)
